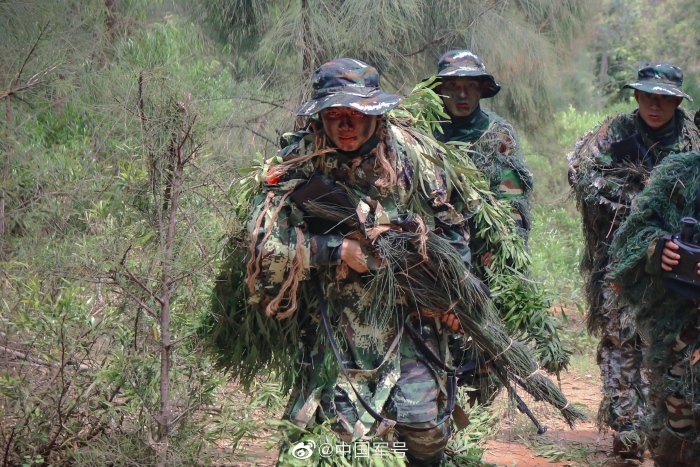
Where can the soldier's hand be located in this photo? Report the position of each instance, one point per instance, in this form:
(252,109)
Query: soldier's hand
(351,253)
(452,321)
(669,259)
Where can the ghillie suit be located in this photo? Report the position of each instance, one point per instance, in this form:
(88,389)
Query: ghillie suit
(668,322)
(492,145)
(607,170)
(410,206)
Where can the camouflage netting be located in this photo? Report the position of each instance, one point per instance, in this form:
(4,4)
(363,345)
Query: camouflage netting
(499,147)
(661,314)
(604,191)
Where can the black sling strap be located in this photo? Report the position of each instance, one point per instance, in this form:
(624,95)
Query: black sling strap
(451,375)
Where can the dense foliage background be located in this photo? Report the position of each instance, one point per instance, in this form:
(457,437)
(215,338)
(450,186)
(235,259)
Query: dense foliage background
(124,125)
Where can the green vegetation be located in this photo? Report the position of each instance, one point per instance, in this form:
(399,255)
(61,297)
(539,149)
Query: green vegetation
(123,124)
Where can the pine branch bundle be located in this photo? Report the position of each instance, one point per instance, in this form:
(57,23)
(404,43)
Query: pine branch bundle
(243,340)
(439,280)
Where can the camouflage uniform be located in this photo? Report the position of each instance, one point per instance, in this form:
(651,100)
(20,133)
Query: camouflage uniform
(384,364)
(493,147)
(669,321)
(607,170)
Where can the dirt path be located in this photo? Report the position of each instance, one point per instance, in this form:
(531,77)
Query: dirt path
(516,444)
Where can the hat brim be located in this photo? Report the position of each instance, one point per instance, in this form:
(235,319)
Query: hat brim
(658,88)
(377,103)
(473,72)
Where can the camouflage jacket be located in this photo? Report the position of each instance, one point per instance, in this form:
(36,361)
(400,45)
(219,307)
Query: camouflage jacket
(495,150)
(605,180)
(294,244)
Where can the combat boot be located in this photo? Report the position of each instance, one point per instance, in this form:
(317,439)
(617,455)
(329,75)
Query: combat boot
(629,444)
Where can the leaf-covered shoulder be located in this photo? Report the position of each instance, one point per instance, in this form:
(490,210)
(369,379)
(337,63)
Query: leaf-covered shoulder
(690,133)
(296,143)
(591,156)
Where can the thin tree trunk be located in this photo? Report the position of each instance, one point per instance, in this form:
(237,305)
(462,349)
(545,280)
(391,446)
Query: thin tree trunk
(603,67)
(173,190)
(166,280)
(603,73)
(5,170)
(307,58)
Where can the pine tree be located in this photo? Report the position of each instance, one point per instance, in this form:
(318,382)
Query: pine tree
(522,42)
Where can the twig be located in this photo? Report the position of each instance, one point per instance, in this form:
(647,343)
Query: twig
(446,36)
(26,60)
(24,356)
(186,136)
(187,336)
(253,99)
(254,132)
(202,250)
(11,92)
(146,308)
(134,279)
(6,457)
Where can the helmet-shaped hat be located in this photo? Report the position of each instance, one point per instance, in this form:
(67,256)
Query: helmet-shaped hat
(659,78)
(467,64)
(346,82)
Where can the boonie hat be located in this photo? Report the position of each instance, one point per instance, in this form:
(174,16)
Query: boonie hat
(346,82)
(467,63)
(659,78)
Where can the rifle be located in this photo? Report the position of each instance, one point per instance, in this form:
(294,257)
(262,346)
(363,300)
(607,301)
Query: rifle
(522,406)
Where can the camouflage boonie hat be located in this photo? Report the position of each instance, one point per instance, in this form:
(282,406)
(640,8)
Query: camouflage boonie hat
(468,64)
(346,82)
(659,78)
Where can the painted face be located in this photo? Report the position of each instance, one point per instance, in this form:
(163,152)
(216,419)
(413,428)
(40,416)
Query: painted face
(461,95)
(656,109)
(348,128)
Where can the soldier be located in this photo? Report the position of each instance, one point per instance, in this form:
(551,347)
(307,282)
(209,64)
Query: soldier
(349,142)
(345,238)
(658,277)
(493,146)
(607,170)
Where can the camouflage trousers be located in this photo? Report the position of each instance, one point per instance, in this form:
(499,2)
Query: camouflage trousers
(625,379)
(674,439)
(416,400)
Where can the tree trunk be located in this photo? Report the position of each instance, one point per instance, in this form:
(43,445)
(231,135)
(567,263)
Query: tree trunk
(603,67)
(603,72)
(307,59)
(173,189)
(5,173)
